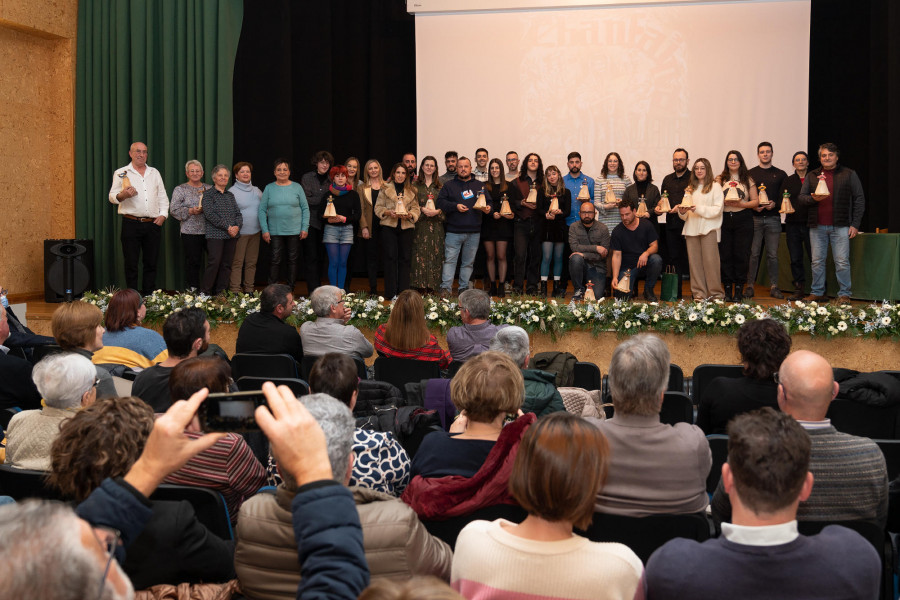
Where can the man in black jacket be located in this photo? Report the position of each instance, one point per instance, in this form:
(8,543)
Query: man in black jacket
(266,332)
(833,218)
(17,389)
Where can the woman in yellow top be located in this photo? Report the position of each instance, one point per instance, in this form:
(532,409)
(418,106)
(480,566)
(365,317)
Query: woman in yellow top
(125,342)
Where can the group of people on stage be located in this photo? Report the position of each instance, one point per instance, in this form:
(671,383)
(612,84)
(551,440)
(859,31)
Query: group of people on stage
(600,232)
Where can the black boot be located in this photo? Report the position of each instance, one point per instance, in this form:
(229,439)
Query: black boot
(493,291)
(729,292)
(543,291)
(501,291)
(798,293)
(559,290)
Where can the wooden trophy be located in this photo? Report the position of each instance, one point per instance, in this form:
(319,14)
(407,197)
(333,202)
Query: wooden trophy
(732,194)
(554,204)
(663,204)
(624,284)
(688,200)
(429,204)
(480,201)
(589,293)
(583,194)
(821,188)
(786,206)
(532,196)
(126,183)
(400,209)
(200,191)
(505,210)
(763,196)
(642,212)
(610,195)
(329,209)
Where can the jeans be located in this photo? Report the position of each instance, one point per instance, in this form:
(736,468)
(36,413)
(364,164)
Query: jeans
(582,271)
(337,263)
(649,272)
(797,239)
(768,227)
(552,252)
(454,245)
(839,238)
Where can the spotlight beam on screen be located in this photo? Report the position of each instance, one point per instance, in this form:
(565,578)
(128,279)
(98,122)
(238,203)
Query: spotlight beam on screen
(639,79)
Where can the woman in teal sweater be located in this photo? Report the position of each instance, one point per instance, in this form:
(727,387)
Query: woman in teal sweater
(284,220)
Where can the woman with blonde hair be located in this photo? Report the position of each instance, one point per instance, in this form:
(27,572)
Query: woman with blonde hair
(352,164)
(560,467)
(78,327)
(406,335)
(397,228)
(369,189)
(556,232)
(702,228)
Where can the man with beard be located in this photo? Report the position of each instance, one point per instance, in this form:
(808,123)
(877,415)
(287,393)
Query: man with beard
(409,161)
(589,240)
(573,180)
(512,165)
(450,158)
(635,246)
(479,172)
(186,333)
(672,242)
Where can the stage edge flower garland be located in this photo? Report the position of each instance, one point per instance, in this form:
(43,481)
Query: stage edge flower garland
(875,320)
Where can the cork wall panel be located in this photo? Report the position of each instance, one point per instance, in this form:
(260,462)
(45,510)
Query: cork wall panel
(36,150)
(47,18)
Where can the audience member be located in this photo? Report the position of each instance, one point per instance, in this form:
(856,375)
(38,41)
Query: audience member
(475,334)
(77,327)
(558,471)
(397,545)
(186,333)
(379,461)
(655,468)
(20,336)
(67,382)
(330,332)
(851,478)
(173,547)
(18,389)
(406,335)
(541,395)
(229,467)
(125,342)
(763,344)
(266,332)
(761,555)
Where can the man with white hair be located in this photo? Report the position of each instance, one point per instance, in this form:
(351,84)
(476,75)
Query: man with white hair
(330,332)
(15,373)
(396,543)
(541,395)
(654,468)
(68,382)
(475,334)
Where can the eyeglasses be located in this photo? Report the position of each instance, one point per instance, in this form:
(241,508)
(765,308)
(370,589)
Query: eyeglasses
(777,378)
(96,382)
(109,540)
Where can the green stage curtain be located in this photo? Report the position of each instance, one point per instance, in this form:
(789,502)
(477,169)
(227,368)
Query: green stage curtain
(157,71)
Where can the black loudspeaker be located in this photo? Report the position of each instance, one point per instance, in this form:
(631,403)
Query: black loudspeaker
(68,269)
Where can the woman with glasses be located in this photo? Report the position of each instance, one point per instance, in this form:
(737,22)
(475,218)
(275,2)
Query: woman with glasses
(737,224)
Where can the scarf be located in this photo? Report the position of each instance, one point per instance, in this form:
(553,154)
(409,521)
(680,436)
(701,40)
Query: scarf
(339,191)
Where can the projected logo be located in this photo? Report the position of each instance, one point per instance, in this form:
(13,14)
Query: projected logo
(617,79)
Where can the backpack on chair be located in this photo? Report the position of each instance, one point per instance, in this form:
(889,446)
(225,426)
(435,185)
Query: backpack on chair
(561,364)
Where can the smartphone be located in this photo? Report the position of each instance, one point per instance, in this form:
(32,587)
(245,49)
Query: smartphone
(231,411)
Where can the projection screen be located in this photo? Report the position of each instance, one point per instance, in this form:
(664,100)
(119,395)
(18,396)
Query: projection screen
(641,80)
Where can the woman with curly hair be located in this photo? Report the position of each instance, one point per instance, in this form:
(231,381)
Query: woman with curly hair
(104,441)
(763,344)
(125,342)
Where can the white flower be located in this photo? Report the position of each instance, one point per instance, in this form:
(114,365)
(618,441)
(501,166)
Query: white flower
(707,320)
(309,311)
(821,311)
(677,316)
(842,326)
(655,318)
(510,320)
(535,318)
(811,321)
(739,319)
(442,322)
(432,315)
(198,305)
(862,314)
(885,320)
(692,317)
(709,311)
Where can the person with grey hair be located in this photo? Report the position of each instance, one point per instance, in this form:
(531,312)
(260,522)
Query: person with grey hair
(330,332)
(655,468)
(223,228)
(67,382)
(397,545)
(187,208)
(541,395)
(474,336)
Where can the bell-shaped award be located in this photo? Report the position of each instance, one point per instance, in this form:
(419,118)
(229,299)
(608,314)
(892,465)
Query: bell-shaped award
(505,210)
(763,196)
(480,201)
(400,208)
(126,183)
(429,203)
(532,196)
(589,293)
(583,194)
(610,195)
(329,208)
(732,192)
(688,200)
(624,284)
(663,204)
(554,203)
(642,211)
(786,206)
(822,187)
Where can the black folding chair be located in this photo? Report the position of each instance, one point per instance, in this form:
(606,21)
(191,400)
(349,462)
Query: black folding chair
(645,534)
(718,445)
(264,365)
(448,529)
(209,506)
(20,484)
(400,371)
(676,379)
(703,374)
(308,361)
(587,375)
(298,386)
(676,408)
(454,368)
(855,418)
(891,451)
(39,352)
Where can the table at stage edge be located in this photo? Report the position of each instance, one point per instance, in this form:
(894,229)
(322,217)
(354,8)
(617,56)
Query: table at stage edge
(874,268)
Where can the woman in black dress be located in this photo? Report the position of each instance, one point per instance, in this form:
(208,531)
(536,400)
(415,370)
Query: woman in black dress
(497,227)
